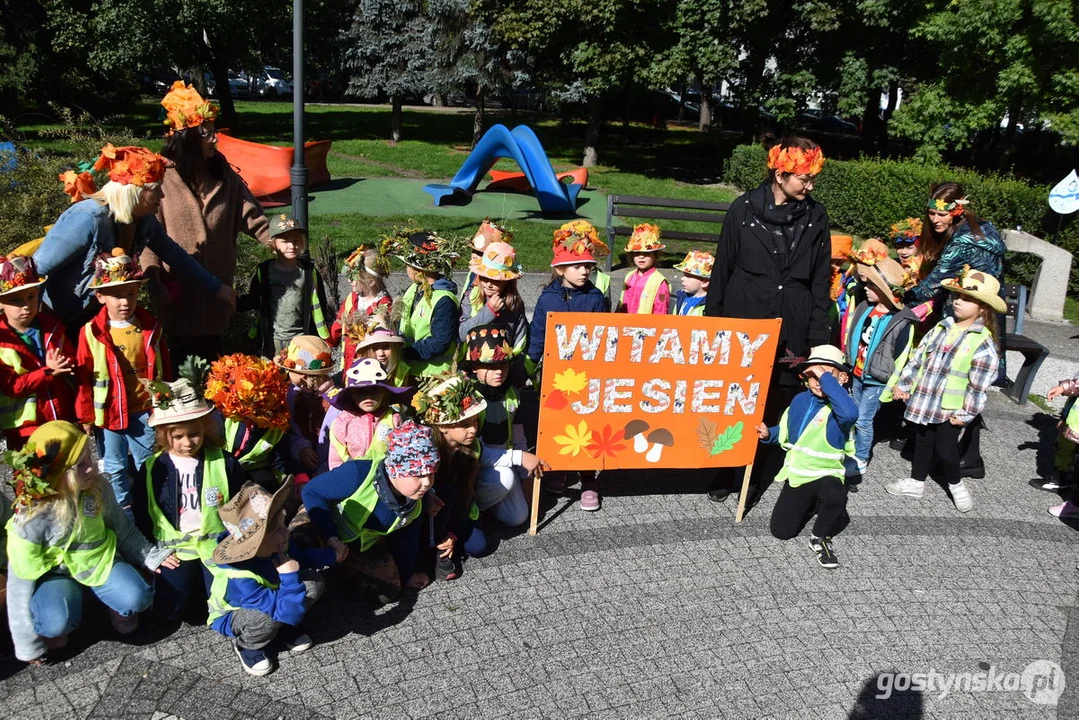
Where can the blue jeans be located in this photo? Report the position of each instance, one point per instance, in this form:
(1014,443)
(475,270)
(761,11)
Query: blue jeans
(867,396)
(113,447)
(56,605)
(173,588)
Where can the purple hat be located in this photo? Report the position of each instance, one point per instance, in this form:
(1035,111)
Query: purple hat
(364,373)
(412,451)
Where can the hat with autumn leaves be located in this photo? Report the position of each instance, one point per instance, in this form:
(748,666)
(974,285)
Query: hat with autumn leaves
(128,165)
(448,399)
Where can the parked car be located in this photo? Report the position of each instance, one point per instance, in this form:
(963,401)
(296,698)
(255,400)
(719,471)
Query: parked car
(239,86)
(158,83)
(271,83)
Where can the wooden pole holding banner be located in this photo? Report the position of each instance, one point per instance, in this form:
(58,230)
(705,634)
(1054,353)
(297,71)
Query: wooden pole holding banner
(742,495)
(536,480)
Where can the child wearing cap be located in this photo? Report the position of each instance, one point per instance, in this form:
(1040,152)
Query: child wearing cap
(696,274)
(37,361)
(570,290)
(815,431)
(366,269)
(377,339)
(470,473)
(186,480)
(365,416)
(496,271)
(488,354)
(878,341)
(366,511)
(487,233)
(429,307)
(68,534)
(118,348)
(263,585)
(905,238)
(308,364)
(250,393)
(946,380)
(286,291)
(646,291)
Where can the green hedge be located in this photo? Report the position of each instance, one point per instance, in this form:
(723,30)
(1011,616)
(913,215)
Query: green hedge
(864,197)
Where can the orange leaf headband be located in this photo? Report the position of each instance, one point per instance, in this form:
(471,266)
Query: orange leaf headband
(795,160)
(131,165)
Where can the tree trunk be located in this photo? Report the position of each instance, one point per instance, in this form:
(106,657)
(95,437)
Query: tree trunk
(219,67)
(682,102)
(705,123)
(591,136)
(395,118)
(477,120)
(871,123)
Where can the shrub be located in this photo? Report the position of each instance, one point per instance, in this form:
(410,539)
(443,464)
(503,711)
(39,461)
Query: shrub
(864,197)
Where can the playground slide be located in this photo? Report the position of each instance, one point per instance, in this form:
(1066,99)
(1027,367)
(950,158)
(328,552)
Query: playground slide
(524,148)
(265,168)
(518,181)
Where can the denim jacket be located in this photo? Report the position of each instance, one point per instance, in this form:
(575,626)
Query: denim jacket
(82,232)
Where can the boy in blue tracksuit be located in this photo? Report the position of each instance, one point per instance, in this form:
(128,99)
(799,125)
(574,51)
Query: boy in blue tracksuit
(817,433)
(258,595)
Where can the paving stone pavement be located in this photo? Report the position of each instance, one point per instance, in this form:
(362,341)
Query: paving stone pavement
(657,606)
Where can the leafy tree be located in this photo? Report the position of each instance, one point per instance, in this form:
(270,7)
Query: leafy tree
(386,52)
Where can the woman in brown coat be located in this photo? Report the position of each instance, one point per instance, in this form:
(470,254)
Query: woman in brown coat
(205,207)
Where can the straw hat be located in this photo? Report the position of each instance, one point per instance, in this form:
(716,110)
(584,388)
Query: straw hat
(979,285)
(115,269)
(175,402)
(645,238)
(887,277)
(246,517)
(17,273)
(448,400)
(307,355)
(497,262)
(828,355)
(698,264)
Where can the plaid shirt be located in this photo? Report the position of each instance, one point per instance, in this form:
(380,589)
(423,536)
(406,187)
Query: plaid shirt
(924,405)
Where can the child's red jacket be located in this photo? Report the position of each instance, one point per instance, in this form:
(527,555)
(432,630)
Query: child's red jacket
(54,395)
(114,414)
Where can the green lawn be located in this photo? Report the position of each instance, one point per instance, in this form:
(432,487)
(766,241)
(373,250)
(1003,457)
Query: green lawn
(638,160)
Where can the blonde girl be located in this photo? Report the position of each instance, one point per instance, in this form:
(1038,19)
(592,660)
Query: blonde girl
(65,535)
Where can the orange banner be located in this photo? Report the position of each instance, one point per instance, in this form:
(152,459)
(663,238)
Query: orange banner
(653,391)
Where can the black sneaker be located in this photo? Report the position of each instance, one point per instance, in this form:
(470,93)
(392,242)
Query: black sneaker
(446,569)
(823,548)
(1051,484)
(254,662)
(294,640)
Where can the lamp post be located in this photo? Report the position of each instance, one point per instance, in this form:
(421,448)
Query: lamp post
(298,173)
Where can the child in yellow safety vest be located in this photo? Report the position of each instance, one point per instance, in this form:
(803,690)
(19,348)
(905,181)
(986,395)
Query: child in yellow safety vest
(946,380)
(488,355)
(286,291)
(496,272)
(696,275)
(429,312)
(487,233)
(118,348)
(366,269)
(308,364)
(37,361)
(366,511)
(1067,456)
(365,414)
(817,433)
(186,481)
(646,291)
(263,585)
(250,394)
(68,534)
(377,339)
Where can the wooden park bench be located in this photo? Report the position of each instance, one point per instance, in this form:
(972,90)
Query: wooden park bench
(1034,353)
(639,207)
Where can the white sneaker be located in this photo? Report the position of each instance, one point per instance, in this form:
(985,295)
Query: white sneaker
(961,497)
(907,487)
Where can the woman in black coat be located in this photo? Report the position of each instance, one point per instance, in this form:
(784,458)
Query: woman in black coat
(773,260)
